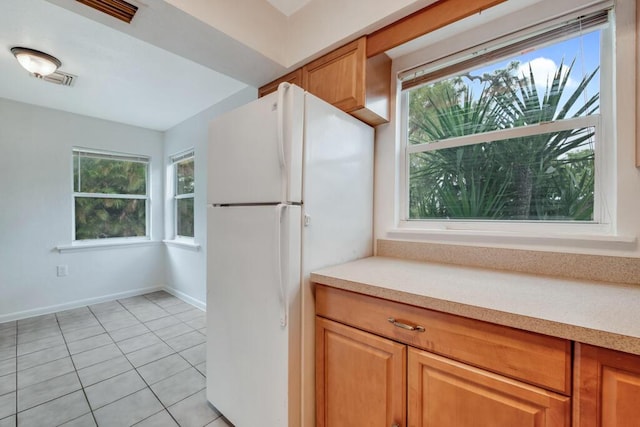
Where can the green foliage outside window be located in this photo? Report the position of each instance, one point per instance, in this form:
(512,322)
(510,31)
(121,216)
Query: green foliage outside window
(110,196)
(184,193)
(548,176)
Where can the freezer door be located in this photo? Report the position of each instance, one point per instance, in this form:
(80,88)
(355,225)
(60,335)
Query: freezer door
(255,151)
(253,318)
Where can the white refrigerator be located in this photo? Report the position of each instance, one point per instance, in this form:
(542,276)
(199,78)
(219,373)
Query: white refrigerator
(290,190)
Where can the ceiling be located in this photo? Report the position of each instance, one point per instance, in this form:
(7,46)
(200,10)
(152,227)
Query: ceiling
(175,58)
(288,7)
(120,78)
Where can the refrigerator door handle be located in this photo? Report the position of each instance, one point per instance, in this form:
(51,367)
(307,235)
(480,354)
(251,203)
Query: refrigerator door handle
(282,90)
(281,280)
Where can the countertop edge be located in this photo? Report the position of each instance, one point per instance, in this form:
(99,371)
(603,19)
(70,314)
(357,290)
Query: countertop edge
(581,334)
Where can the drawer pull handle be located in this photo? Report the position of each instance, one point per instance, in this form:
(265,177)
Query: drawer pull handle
(405,326)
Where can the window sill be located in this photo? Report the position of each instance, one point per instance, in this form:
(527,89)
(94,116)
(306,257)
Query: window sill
(75,247)
(186,244)
(495,237)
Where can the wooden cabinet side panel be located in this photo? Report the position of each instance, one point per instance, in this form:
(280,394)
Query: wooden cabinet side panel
(447,393)
(537,359)
(378,91)
(294,77)
(360,377)
(339,77)
(606,388)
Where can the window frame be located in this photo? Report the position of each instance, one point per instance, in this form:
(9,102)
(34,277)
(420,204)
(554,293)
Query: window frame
(174,160)
(113,155)
(604,159)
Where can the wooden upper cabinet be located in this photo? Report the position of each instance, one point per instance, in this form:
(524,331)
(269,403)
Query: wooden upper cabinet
(338,77)
(443,392)
(351,82)
(606,388)
(347,79)
(360,378)
(294,77)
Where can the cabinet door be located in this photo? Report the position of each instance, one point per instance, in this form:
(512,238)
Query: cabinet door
(339,77)
(606,388)
(447,393)
(360,378)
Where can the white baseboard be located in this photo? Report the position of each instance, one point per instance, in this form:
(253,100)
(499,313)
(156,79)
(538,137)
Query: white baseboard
(81,303)
(186,298)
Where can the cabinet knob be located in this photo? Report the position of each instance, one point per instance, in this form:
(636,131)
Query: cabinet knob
(416,328)
(395,425)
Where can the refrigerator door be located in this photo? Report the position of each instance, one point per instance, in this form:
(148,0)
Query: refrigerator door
(253,356)
(255,151)
(338,209)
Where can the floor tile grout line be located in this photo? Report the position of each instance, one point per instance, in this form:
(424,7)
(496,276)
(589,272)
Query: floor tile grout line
(40,382)
(175,352)
(73,363)
(145,381)
(55,316)
(31,352)
(164,341)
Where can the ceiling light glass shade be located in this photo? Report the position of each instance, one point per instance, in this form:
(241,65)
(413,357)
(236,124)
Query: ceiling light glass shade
(37,63)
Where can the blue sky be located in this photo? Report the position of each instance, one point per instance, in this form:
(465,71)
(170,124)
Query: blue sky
(585,49)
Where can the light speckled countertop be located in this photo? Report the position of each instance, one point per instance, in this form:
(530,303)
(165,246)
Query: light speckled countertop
(598,313)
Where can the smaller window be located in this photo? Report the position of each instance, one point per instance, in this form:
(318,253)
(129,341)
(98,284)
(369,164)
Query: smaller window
(184,187)
(110,195)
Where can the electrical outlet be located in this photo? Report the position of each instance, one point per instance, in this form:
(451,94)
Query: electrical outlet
(63,270)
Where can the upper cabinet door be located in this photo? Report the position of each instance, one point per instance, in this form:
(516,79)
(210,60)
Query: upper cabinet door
(349,80)
(245,153)
(338,77)
(443,392)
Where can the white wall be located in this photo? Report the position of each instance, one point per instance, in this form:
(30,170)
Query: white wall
(35,192)
(256,24)
(185,268)
(317,27)
(622,239)
(323,25)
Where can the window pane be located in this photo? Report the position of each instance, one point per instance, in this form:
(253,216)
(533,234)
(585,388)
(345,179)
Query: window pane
(184,177)
(76,174)
(111,176)
(541,177)
(554,82)
(104,218)
(184,218)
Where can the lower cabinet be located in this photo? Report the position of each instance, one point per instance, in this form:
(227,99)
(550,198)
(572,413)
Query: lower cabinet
(361,377)
(443,392)
(371,373)
(607,388)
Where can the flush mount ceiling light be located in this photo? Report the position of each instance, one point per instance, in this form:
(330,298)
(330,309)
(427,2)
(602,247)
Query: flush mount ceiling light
(38,63)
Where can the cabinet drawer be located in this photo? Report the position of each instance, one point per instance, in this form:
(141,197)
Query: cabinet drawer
(533,358)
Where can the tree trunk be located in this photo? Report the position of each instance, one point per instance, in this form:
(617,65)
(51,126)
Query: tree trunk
(525,191)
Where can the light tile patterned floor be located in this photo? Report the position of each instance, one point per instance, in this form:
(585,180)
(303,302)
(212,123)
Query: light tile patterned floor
(136,361)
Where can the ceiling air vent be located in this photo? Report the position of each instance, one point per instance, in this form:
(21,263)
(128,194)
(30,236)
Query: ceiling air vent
(117,8)
(60,78)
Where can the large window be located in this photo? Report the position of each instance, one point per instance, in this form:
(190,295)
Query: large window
(110,195)
(184,187)
(509,133)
